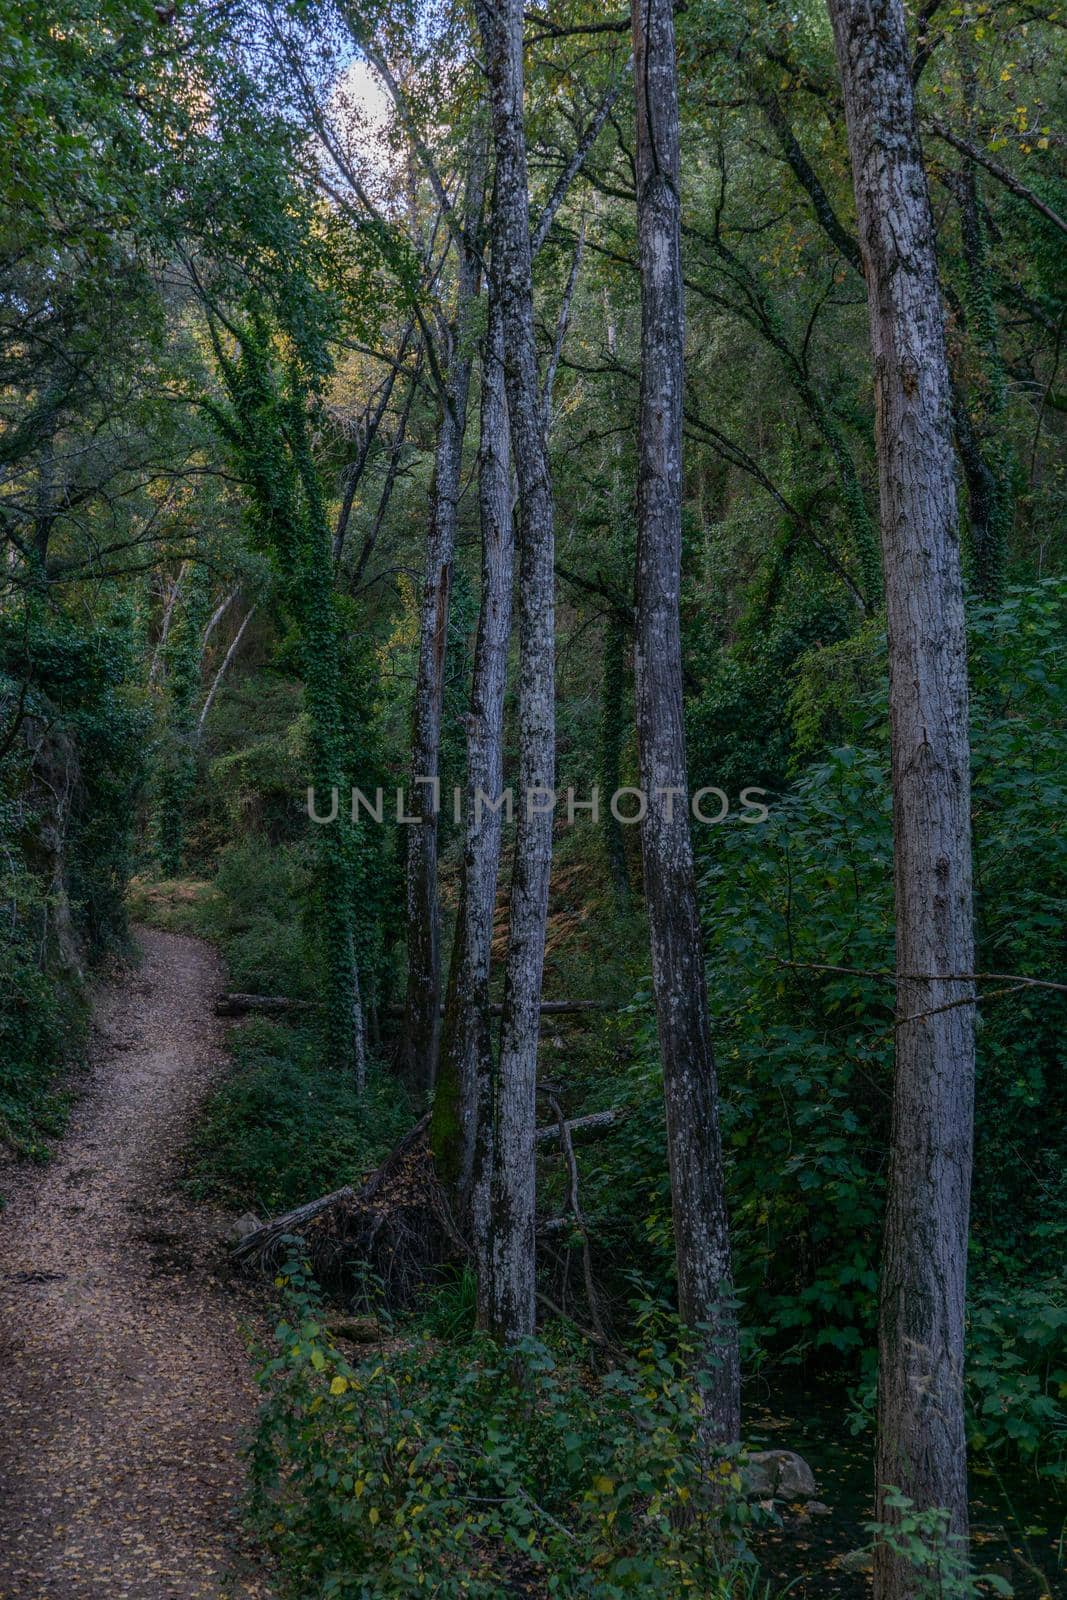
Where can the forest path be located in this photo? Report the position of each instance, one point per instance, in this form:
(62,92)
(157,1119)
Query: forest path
(124,1379)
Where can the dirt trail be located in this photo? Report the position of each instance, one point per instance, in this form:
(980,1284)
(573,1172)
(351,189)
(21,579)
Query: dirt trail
(124,1381)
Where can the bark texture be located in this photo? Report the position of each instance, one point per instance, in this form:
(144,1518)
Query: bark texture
(921,1445)
(511,1298)
(612,730)
(694,1145)
(461,1128)
(423,911)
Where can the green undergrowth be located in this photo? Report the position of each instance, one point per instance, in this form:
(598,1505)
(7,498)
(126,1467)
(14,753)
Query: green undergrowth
(43,1030)
(447,1469)
(281,1128)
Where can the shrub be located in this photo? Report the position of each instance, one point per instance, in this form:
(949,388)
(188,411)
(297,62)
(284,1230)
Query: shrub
(281,1128)
(254,916)
(457,1471)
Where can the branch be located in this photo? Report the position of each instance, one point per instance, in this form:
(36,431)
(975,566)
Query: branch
(576,162)
(929,977)
(456,227)
(553,30)
(808,179)
(374,417)
(563,1130)
(1002,174)
(562,322)
(393,469)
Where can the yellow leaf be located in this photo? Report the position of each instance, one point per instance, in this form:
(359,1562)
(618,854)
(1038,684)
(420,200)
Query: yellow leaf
(374,1514)
(603,1485)
(338,1386)
(359,1486)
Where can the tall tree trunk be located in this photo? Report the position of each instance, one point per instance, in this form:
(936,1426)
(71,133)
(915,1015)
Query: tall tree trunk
(462,1124)
(694,1145)
(612,716)
(921,1443)
(512,1223)
(423,913)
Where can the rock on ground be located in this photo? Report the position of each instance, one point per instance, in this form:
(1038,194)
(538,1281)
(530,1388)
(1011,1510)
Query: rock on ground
(779,1474)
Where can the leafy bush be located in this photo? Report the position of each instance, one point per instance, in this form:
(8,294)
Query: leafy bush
(42,1017)
(1017,1372)
(457,1471)
(70,773)
(939,1561)
(254,916)
(801,937)
(281,1128)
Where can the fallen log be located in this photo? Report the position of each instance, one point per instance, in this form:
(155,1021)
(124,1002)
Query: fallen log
(549,1008)
(260,1239)
(239,1005)
(594,1122)
(344,1204)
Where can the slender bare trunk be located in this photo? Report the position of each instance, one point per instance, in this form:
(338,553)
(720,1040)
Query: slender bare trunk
(216,617)
(216,682)
(423,913)
(164,628)
(700,1222)
(462,1126)
(921,1443)
(512,1222)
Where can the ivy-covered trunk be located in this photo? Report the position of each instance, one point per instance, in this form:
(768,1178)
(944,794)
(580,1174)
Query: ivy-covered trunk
(705,1295)
(462,1126)
(266,427)
(511,1296)
(182,652)
(315,610)
(423,911)
(921,1439)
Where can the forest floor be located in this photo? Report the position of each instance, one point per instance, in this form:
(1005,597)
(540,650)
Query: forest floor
(125,1383)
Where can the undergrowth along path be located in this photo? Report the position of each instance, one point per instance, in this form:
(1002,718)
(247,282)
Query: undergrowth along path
(125,1385)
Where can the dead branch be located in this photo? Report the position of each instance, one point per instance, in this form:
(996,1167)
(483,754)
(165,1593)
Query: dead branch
(563,1130)
(928,977)
(594,1122)
(238,1005)
(255,1243)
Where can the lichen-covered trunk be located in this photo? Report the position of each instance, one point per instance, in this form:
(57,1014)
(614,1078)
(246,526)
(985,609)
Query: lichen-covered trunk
(694,1146)
(612,718)
(423,912)
(462,1124)
(511,1297)
(921,1443)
